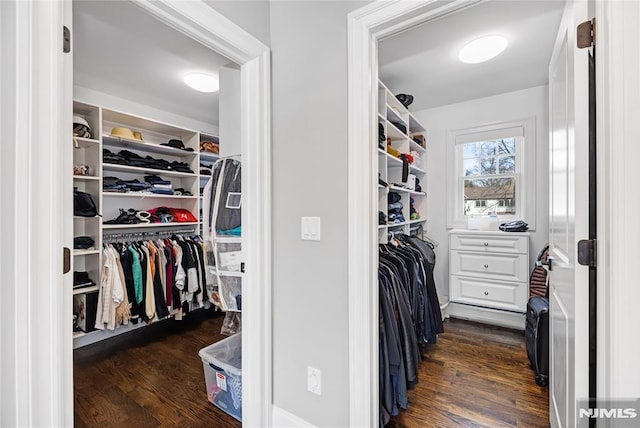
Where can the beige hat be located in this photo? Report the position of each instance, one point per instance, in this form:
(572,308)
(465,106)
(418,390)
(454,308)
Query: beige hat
(126,133)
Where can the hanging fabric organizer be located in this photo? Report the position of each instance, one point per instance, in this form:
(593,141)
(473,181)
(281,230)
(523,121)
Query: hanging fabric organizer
(222,227)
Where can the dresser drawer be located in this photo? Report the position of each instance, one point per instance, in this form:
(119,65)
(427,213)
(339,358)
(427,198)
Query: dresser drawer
(507,243)
(511,296)
(505,267)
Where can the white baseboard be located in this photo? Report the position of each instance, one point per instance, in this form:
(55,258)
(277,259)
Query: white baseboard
(283,419)
(487,315)
(443,310)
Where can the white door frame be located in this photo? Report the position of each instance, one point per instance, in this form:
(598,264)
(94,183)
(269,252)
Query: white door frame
(618,133)
(36,374)
(367,25)
(617,287)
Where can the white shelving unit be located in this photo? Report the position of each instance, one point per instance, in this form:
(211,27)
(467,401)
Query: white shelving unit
(89,152)
(400,128)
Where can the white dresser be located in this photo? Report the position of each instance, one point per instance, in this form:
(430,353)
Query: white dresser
(489,276)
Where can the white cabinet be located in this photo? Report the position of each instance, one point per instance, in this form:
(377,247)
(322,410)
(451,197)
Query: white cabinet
(488,276)
(403,135)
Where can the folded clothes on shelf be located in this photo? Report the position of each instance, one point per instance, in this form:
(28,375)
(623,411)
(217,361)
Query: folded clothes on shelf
(128,158)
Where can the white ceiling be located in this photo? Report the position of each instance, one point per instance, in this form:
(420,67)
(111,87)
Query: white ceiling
(121,50)
(423,61)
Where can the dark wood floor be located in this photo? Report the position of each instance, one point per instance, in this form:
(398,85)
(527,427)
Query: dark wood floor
(154,379)
(476,376)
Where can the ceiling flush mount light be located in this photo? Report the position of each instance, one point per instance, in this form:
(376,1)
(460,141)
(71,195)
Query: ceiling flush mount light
(482,49)
(202,82)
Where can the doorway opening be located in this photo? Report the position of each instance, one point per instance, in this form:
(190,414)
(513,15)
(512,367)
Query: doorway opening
(406,65)
(129,65)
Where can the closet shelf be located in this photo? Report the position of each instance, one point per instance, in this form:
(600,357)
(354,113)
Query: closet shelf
(416,169)
(394,133)
(86,177)
(399,189)
(79,217)
(228,273)
(382,226)
(420,220)
(78,334)
(85,252)
(381,152)
(414,125)
(83,143)
(209,156)
(393,161)
(417,147)
(228,239)
(84,290)
(414,193)
(397,224)
(139,170)
(145,195)
(119,142)
(147,225)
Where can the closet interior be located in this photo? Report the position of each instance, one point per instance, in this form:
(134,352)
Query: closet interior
(157,186)
(462,147)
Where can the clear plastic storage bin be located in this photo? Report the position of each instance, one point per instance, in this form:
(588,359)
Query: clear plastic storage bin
(222,364)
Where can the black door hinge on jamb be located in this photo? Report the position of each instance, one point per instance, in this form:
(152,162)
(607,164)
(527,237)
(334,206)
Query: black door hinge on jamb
(585,34)
(66,39)
(587,254)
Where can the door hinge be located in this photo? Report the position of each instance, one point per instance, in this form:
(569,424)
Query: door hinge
(242,267)
(66,39)
(585,34)
(66,260)
(587,252)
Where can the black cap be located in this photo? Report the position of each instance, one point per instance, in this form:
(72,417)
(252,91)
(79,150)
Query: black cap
(177,144)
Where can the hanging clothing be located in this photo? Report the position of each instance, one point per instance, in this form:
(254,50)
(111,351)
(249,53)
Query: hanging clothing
(409,318)
(146,280)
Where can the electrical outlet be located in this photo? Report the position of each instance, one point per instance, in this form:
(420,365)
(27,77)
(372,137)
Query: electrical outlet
(314,380)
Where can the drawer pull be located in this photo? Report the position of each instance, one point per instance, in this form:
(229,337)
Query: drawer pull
(486,266)
(486,244)
(486,293)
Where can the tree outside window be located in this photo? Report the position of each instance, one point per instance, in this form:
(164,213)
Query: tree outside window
(489,176)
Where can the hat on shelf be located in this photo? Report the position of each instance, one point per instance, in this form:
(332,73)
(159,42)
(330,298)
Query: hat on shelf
(210,147)
(81,127)
(127,133)
(177,144)
(405,99)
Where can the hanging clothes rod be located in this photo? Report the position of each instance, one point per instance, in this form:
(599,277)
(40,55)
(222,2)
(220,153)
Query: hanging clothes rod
(143,235)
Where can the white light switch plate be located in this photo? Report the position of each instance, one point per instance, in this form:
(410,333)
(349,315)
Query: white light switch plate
(314,380)
(310,228)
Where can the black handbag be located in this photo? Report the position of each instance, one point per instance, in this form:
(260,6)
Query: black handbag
(514,226)
(83,204)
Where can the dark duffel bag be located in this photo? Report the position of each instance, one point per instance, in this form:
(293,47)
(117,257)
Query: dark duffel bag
(537,338)
(83,204)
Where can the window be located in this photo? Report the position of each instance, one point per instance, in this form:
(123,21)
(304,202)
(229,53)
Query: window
(493,172)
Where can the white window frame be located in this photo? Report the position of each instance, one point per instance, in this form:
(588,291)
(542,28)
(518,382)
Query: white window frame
(524,130)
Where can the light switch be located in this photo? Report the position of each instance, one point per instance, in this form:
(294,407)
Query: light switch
(310,228)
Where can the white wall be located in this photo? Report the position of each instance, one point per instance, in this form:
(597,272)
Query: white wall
(98,98)
(230,111)
(309,52)
(251,15)
(499,108)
